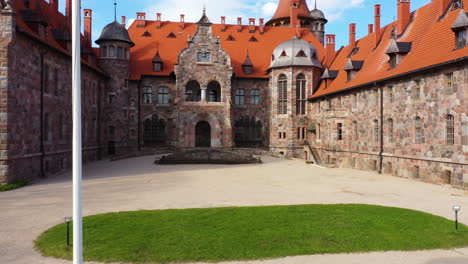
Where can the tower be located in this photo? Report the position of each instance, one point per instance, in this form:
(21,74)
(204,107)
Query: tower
(292,13)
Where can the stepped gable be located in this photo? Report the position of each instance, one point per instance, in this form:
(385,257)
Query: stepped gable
(432,40)
(169,48)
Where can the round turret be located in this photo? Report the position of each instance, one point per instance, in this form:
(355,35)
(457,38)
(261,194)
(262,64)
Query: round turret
(115,42)
(295,52)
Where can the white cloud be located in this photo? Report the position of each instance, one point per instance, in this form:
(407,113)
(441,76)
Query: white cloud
(171,9)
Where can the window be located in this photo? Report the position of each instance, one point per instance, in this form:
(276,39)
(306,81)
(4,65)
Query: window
(154,131)
(340,131)
(461,38)
(391,95)
(449,81)
(163,95)
(119,52)
(393,61)
(376,130)
(450,130)
(301,133)
(46,127)
(417,90)
(204,57)
(127,53)
(330,106)
(214,91)
(104,51)
(111,131)
(418,130)
(157,66)
(192,91)
(111,98)
(111,51)
(390,130)
(248,132)
(255,97)
(282,95)
(355,130)
(147,95)
(239,97)
(375,97)
(301,95)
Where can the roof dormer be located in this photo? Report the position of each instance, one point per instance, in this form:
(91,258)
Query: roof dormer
(247,66)
(397,52)
(157,63)
(352,68)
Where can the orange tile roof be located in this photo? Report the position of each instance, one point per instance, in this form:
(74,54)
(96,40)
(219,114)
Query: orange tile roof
(433,43)
(169,48)
(55,20)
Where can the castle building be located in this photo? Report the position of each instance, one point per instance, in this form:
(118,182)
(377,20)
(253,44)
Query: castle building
(394,101)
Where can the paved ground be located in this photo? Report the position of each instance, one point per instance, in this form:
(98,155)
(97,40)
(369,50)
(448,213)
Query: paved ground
(139,184)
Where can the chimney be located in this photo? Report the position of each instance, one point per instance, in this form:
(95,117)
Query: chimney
(88,19)
(124,21)
(68,13)
(141,19)
(54,4)
(223,24)
(239,24)
(182,21)
(370,29)
(331,48)
(158,20)
(403,15)
(377,24)
(293,13)
(251,25)
(261,27)
(352,36)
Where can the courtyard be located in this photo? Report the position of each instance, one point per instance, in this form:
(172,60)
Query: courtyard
(137,183)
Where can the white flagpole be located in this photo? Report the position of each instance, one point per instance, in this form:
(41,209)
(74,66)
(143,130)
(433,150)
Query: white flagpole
(77,163)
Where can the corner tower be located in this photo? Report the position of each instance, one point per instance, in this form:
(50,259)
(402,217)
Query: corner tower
(293,13)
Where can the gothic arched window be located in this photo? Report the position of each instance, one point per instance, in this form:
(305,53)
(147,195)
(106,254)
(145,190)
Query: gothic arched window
(301,95)
(282,94)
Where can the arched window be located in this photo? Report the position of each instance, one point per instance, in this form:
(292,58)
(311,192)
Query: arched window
(376,130)
(214,92)
(450,130)
(248,132)
(119,52)
(301,95)
(192,91)
(127,53)
(282,94)
(390,130)
(418,130)
(239,97)
(154,132)
(104,51)
(111,51)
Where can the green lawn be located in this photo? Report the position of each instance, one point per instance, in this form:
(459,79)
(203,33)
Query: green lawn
(13,186)
(240,233)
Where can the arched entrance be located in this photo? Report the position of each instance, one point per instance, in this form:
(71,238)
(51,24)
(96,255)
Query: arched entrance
(203,135)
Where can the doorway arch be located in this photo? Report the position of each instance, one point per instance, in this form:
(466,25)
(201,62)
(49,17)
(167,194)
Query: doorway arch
(203,135)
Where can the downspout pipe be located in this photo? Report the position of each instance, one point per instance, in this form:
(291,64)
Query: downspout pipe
(139,116)
(41,105)
(381,130)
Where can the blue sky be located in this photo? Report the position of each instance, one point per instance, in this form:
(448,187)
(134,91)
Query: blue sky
(339,12)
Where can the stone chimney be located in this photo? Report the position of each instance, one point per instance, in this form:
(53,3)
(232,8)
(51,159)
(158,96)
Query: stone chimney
(223,23)
(88,23)
(370,29)
(352,36)
(251,25)
(377,24)
(239,24)
(124,21)
(158,20)
(330,41)
(261,25)
(140,19)
(404,7)
(182,21)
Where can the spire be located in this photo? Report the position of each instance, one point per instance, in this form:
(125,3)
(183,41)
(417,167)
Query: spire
(115,10)
(315,4)
(204,19)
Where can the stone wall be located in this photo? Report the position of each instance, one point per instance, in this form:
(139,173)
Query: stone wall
(428,158)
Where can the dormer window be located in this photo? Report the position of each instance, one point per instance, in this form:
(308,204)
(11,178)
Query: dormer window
(456,5)
(460,28)
(247,66)
(283,54)
(352,68)
(397,52)
(301,53)
(157,63)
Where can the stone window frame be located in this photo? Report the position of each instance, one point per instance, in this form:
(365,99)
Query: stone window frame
(301,98)
(376,130)
(449,129)
(163,95)
(239,97)
(418,133)
(339,131)
(147,95)
(416,90)
(255,98)
(449,82)
(119,52)
(390,130)
(282,94)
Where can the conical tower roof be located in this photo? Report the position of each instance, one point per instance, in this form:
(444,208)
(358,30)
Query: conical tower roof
(284,6)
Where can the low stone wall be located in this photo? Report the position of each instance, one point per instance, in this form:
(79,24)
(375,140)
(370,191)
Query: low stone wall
(208,156)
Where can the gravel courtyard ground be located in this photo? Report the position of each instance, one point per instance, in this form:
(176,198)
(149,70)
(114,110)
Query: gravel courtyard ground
(139,184)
